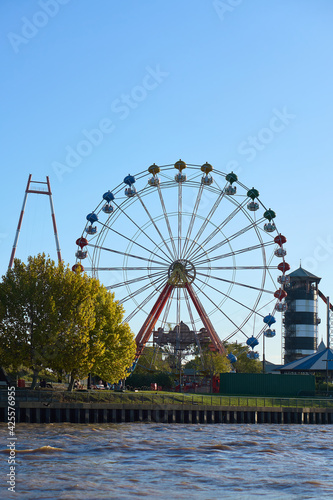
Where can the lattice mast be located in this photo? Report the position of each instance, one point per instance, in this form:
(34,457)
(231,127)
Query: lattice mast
(40,189)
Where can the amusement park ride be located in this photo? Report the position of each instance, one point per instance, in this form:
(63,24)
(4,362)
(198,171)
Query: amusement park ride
(191,249)
(36,187)
(188,248)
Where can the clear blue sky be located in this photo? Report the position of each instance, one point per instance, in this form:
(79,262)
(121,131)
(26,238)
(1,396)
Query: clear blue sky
(248,82)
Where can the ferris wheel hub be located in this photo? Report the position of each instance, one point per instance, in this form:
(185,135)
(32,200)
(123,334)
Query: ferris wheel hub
(180,272)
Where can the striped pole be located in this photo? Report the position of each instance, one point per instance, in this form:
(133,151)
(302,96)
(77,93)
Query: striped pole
(11,260)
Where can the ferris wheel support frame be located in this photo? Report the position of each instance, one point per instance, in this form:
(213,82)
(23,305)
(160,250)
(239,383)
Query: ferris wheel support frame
(205,319)
(173,264)
(148,326)
(48,192)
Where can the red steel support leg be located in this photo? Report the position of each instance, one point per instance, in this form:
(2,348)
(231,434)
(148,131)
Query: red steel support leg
(205,319)
(54,221)
(322,296)
(148,326)
(11,260)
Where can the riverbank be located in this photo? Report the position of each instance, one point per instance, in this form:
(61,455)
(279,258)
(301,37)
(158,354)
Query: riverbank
(85,407)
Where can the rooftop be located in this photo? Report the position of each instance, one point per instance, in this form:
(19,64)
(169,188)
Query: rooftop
(302,273)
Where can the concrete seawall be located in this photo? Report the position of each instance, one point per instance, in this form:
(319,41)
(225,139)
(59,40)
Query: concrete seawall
(87,413)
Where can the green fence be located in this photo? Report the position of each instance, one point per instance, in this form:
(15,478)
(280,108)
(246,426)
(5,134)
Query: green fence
(254,384)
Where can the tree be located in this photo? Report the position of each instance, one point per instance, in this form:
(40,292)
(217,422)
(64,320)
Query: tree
(152,359)
(209,362)
(243,363)
(111,341)
(52,317)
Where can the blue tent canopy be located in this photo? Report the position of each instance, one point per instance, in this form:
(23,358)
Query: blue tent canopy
(322,360)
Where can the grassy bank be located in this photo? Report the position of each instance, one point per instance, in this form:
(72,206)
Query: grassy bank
(166,398)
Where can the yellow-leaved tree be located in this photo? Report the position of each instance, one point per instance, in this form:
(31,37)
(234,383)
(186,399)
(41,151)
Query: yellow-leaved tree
(52,317)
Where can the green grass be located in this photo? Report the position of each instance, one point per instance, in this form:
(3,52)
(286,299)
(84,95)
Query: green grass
(165,398)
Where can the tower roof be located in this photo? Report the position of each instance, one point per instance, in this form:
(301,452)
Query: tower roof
(302,273)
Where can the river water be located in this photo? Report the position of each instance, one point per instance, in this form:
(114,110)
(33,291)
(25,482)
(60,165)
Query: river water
(169,461)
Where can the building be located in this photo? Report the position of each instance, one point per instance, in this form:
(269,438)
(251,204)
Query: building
(301,317)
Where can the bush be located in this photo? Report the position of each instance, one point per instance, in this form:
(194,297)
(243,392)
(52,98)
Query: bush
(322,387)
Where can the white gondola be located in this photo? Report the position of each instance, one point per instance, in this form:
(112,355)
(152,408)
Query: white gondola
(283,280)
(281,306)
(80,254)
(280,252)
(153,181)
(91,229)
(130,191)
(108,209)
(253,206)
(269,227)
(253,355)
(269,333)
(230,190)
(207,180)
(180,177)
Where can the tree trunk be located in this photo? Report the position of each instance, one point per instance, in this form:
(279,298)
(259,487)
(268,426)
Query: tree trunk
(34,379)
(71,383)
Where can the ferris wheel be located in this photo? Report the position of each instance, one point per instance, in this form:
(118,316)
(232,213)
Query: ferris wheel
(188,244)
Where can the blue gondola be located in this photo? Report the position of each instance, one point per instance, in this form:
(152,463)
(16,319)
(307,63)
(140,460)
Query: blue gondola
(252,342)
(269,320)
(232,358)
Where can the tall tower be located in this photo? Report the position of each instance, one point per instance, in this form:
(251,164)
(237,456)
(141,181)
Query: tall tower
(39,187)
(301,317)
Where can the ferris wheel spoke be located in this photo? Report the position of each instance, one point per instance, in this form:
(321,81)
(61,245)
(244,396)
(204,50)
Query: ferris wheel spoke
(126,254)
(237,283)
(133,242)
(235,252)
(221,311)
(271,267)
(155,226)
(167,308)
(134,294)
(143,232)
(167,177)
(206,222)
(231,268)
(189,309)
(178,306)
(193,216)
(263,307)
(255,310)
(180,218)
(122,268)
(166,218)
(228,296)
(217,229)
(134,280)
(225,241)
(190,313)
(140,306)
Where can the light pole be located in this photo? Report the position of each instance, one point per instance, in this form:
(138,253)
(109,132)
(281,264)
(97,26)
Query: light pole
(326,361)
(263,354)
